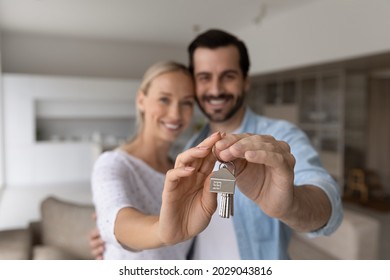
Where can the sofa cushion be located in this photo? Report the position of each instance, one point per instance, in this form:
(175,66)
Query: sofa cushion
(43,252)
(15,244)
(66,226)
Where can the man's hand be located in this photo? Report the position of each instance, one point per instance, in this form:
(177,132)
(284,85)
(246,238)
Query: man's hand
(264,170)
(265,174)
(96,243)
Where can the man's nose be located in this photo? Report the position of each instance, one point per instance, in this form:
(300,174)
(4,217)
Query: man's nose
(215,87)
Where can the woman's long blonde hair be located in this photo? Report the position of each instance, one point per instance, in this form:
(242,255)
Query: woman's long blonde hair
(153,72)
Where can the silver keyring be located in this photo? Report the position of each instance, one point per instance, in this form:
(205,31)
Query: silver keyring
(227,167)
(224,162)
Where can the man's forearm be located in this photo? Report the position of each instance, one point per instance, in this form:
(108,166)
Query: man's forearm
(311,209)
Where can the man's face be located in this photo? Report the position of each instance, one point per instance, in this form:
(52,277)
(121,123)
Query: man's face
(220,85)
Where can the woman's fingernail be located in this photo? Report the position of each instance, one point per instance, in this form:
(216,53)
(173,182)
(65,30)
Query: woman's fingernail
(223,134)
(215,133)
(189,168)
(202,147)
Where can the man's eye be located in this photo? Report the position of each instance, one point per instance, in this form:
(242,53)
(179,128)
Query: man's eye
(229,77)
(203,78)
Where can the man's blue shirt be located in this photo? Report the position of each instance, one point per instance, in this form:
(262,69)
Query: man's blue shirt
(258,235)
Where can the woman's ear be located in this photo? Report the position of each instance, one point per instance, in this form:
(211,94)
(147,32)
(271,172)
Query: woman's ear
(141,101)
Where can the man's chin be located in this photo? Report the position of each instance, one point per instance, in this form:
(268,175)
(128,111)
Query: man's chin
(217,117)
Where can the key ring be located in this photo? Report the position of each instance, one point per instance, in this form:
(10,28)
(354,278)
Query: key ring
(228,162)
(225,163)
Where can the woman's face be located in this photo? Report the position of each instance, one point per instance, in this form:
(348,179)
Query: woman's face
(168,105)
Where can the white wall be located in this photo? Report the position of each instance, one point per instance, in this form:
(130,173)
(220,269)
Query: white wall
(39,54)
(31,162)
(321,32)
(2,179)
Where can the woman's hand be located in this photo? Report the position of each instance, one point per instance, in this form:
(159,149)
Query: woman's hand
(187,204)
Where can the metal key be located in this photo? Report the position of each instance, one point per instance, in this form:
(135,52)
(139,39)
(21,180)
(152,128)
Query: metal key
(223,181)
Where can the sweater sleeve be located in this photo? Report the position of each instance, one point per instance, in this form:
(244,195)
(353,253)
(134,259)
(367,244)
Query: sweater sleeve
(111,179)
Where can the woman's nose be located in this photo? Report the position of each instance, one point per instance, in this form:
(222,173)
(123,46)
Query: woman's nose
(175,112)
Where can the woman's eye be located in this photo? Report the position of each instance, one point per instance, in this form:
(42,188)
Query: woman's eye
(188,103)
(164,100)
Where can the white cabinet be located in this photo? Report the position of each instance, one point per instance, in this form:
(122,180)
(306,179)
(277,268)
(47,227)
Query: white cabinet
(55,127)
(322,117)
(281,100)
(315,102)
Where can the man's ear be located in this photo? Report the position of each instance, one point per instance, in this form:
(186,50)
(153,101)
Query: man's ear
(141,101)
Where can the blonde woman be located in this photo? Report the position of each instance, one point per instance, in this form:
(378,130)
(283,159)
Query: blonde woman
(127,183)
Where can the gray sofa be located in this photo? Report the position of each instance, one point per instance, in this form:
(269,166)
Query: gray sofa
(62,233)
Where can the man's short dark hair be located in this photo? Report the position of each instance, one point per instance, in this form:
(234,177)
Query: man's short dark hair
(215,38)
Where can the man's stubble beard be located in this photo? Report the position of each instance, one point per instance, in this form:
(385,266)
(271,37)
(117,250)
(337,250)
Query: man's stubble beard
(239,103)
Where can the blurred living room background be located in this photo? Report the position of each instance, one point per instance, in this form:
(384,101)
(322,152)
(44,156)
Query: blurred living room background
(70,70)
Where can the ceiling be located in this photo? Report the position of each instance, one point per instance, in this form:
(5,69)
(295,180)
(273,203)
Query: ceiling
(158,21)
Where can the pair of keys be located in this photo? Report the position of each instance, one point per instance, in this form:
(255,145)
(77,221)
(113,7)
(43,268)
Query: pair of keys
(223,181)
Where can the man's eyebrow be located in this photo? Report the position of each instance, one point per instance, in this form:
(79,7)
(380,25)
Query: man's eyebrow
(202,73)
(230,71)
